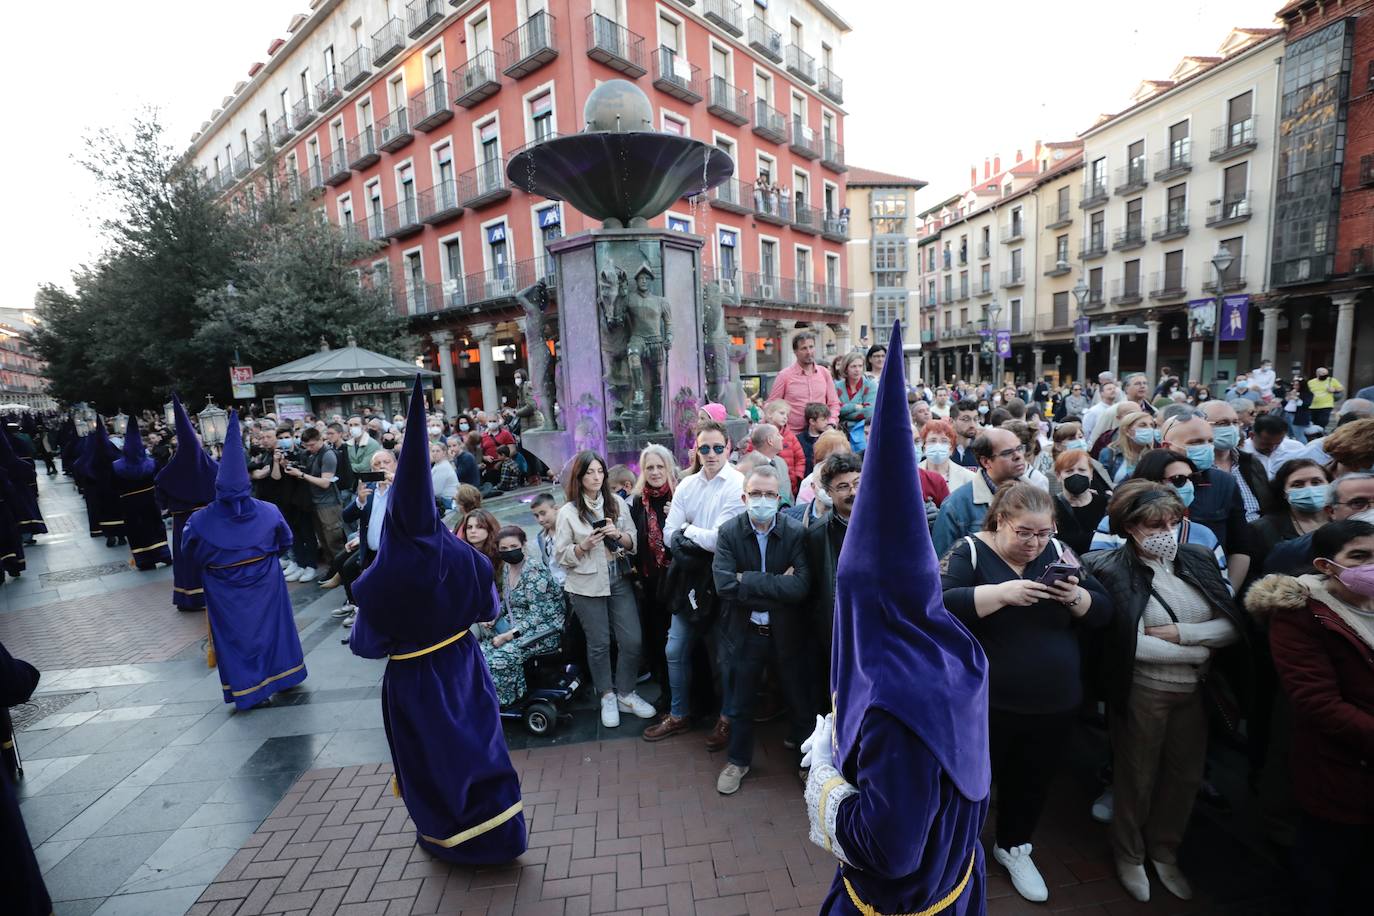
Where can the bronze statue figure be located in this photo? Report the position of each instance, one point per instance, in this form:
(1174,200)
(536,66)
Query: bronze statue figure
(651,337)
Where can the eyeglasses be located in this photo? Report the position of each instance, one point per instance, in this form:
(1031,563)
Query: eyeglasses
(708,449)
(1030,537)
(843,487)
(759,494)
(1011,452)
(1358,504)
(1178,480)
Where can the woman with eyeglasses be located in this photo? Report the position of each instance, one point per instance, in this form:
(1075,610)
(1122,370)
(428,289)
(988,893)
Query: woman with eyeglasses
(1161,465)
(1023,595)
(1136,434)
(1173,611)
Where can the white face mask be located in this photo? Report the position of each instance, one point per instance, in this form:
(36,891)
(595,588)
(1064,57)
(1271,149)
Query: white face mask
(434,431)
(355,432)
(1161,545)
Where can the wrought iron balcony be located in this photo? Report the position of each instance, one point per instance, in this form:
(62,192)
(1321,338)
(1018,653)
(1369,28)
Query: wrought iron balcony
(835,297)
(1126,291)
(327,92)
(1014,277)
(282,130)
(674,75)
(732,196)
(801,65)
(804,141)
(1014,232)
(769,122)
(422,15)
(486,288)
(336,170)
(984,286)
(832,87)
(963,294)
(728,103)
(302,113)
(393,130)
(403,219)
(1128,237)
(1231,140)
(832,155)
(362,149)
(1095,301)
(1132,178)
(429,107)
(440,202)
(771,205)
(312,180)
(806,218)
(1167,284)
(357,67)
(1170,226)
(262,148)
(1175,161)
(835,228)
(477,80)
(762,288)
(388,41)
(617,47)
(483,185)
(531,46)
(1095,246)
(373,228)
(1094,194)
(765,39)
(1229,210)
(1057,217)
(1233,279)
(1057,265)
(726,14)
(984,252)
(243,164)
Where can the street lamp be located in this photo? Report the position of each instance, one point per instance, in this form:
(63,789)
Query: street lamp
(994,310)
(169,414)
(214,423)
(1080,294)
(121,422)
(1221,262)
(84,417)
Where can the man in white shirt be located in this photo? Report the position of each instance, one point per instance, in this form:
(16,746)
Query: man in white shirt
(1263,378)
(702,502)
(1108,396)
(1270,444)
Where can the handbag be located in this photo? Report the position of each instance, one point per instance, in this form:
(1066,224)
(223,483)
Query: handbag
(858,436)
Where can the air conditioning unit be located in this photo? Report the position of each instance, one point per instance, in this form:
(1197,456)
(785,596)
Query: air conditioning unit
(766,291)
(727,285)
(814,297)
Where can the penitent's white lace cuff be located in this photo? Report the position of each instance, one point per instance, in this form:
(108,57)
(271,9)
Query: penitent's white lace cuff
(825,790)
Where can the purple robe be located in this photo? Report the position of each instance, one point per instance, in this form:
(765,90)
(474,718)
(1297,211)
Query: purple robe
(185,485)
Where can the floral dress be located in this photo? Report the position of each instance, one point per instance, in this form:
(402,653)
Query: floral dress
(535,602)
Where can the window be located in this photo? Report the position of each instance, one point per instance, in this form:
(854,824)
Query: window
(1135,161)
(720,62)
(550,221)
(541,116)
(887,308)
(1063,203)
(1177,203)
(498,253)
(985,279)
(963,249)
(1015,326)
(1061,310)
(1016,266)
(1097,231)
(1135,218)
(375,226)
(931,298)
(1240,128)
(729,265)
(670,33)
(672,124)
(345,211)
(452,250)
(1095,285)
(763,87)
(1130,278)
(832,278)
(1235,189)
(888,211)
(1178,144)
(889,259)
(1173,270)
(1235,272)
(963,284)
(415,282)
(986,248)
(1097,174)
(1061,250)
(768,260)
(801,265)
(1017,228)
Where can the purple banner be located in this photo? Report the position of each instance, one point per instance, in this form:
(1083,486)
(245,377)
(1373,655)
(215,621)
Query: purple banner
(1082,328)
(1235,316)
(1004,344)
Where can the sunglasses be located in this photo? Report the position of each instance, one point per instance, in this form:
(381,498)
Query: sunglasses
(1178,480)
(708,449)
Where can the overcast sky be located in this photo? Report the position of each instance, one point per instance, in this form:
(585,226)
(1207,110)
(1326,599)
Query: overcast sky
(930,87)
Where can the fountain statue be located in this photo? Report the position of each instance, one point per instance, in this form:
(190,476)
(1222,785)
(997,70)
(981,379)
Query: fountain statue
(635,344)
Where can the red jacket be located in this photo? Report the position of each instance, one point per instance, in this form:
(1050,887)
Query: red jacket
(1327,671)
(791,453)
(489,442)
(933,486)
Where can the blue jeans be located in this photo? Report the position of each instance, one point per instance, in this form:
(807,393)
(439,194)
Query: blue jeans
(682,639)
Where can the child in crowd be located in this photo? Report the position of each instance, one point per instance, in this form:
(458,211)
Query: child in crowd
(622,480)
(545,509)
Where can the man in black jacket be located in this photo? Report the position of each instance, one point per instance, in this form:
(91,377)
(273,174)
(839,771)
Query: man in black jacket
(840,480)
(1252,480)
(762,579)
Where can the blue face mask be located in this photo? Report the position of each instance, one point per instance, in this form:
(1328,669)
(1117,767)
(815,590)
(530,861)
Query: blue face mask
(1204,456)
(1226,437)
(1310,499)
(1076,444)
(763,508)
(1145,435)
(1186,493)
(937,454)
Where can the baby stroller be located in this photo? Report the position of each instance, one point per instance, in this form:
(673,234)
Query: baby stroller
(551,683)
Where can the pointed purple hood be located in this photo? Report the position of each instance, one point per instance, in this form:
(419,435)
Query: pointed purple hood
(234,520)
(135,464)
(188,480)
(895,646)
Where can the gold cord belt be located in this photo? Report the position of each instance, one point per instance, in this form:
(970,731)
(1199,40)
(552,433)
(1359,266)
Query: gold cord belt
(434,648)
(939,906)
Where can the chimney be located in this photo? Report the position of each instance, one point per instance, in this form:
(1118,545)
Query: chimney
(972,175)
(997,165)
(1019,157)
(987,169)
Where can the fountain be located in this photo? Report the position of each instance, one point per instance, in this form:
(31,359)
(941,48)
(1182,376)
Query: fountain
(633,346)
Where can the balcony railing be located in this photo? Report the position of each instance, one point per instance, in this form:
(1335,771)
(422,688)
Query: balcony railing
(1167,284)
(487,287)
(311,180)
(243,164)
(1057,265)
(1170,226)
(373,228)
(832,87)
(1175,161)
(531,46)
(615,46)
(1132,178)
(357,67)
(440,202)
(675,76)
(835,228)
(1236,139)
(984,286)
(765,39)
(726,14)
(1094,246)
(1094,194)
(770,204)
(336,170)
(1229,210)
(388,41)
(984,251)
(327,92)
(769,122)
(1014,277)
(483,185)
(1013,232)
(429,107)
(302,113)
(1128,237)
(1126,291)
(801,65)
(262,148)
(1233,279)
(282,130)
(393,130)
(804,141)
(728,103)
(1057,217)
(1095,299)
(362,149)
(732,196)
(422,15)
(403,219)
(477,80)
(832,155)
(806,218)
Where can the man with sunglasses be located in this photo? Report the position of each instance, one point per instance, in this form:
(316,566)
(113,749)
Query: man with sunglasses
(1217,502)
(1001,457)
(1352,496)
(1256,493)
(701,503)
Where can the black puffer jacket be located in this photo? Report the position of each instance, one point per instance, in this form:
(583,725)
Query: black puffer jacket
(1128,581)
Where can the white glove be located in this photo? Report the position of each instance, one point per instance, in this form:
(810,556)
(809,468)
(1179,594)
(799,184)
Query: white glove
(816,749)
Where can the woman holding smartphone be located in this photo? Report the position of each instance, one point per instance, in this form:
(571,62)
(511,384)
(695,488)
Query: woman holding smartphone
(1023,594)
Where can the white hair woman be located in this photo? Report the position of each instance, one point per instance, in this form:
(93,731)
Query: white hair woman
(649,503)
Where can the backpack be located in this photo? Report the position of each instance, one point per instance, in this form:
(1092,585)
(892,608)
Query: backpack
(344,478)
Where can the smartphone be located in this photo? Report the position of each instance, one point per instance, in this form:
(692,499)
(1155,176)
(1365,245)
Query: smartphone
(601,523)
(371,476)
(1058,572)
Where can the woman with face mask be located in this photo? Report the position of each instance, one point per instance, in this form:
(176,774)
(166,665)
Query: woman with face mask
(1068,436)
(1163,466)
(531,603)
(1136,433)
(937,445)
(1078,508)
(1321,636)
(1174,610)
(1306,489)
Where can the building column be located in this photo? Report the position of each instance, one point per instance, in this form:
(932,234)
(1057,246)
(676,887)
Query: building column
(1039,354)
(1152,349)
(1195,362)
(842,340)
(485,335)
(1269,341)
(1345,336)
(751,342)
(1114,356)
(443,340)
(1082,377)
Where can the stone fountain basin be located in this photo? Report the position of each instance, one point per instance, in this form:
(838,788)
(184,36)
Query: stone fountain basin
(623,179)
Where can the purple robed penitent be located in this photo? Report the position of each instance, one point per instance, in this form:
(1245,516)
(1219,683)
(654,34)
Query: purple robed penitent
(133,477)
(186,484)
(236,541)
(22,490)
(416,603)
(95,474)
(909,684)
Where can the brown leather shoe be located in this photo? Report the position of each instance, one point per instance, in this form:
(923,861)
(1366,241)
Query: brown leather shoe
(720,736)
(666,727)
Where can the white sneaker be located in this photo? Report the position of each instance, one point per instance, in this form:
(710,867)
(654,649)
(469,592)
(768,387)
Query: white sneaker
(1025,877)
(1134,880)
(348,621)
(632,702)
(306,575)
(1103,806)
(342,610)
(284,562)
(610,715)
(1173,880)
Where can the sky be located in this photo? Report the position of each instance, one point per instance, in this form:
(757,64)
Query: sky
(929,89)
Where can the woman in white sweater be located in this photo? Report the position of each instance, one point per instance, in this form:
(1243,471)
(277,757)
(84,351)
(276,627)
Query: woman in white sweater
(442,475)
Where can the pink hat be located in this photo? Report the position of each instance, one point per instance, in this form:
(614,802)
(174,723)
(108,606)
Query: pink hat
(714,411)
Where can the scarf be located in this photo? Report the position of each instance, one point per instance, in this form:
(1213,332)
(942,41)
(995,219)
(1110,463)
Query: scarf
(658,556)
(1359,621)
